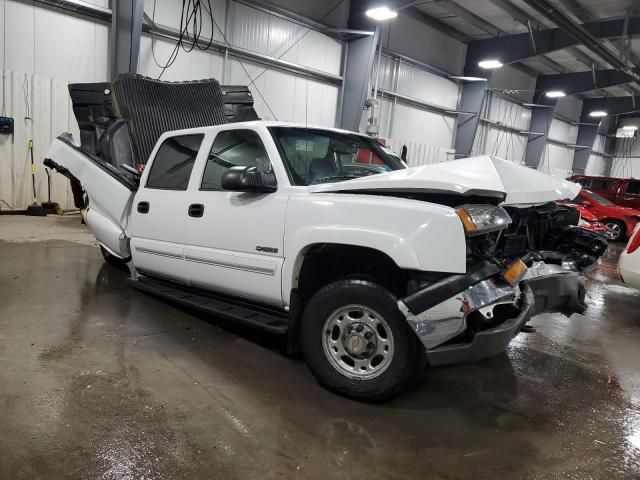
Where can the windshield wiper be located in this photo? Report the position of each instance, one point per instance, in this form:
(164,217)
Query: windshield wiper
(334,177)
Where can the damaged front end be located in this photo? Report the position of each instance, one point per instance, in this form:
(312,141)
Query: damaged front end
(520,262)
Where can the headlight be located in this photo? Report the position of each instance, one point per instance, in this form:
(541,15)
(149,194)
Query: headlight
(479,219)
(583,223)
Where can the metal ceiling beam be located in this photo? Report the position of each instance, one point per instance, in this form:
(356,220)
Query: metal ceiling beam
(436,24)
(583,35)
(582,82)
(518,47)
(611,105)
(454,9)
(525,19)
(468,16)
(582,14)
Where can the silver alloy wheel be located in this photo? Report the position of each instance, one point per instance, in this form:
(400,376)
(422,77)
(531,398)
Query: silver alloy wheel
(615,229)
(358,342)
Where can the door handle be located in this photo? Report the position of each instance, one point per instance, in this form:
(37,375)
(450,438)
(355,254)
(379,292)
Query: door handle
(196,210)
(143,207)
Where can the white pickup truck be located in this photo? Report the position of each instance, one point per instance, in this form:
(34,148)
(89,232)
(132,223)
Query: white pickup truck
(370,268)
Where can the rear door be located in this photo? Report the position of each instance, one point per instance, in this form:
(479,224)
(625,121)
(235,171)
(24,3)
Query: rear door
(629,195)
(160,208)
(602,186)
(234,239)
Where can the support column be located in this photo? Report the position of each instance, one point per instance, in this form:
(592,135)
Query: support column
(356,76)
(124,37)
(586,137)
(541,118)
(609,129)
(471,101)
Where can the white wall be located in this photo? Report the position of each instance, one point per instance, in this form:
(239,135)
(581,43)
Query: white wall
(52,43)
(277,94)
(46,49)
(423,129)
(51,113)
(500,140)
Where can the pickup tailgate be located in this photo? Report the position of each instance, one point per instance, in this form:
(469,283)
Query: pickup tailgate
(108,193)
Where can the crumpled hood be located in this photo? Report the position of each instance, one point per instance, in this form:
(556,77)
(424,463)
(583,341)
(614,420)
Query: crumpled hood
(485,175)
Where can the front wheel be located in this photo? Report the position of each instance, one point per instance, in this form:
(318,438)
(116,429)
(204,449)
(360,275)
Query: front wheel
(616,230)
(357,343)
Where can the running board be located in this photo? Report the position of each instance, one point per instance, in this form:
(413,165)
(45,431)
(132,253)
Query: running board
(223,307)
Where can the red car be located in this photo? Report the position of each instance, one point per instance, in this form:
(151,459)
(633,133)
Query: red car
(588,220)
(620,220)
(621,191)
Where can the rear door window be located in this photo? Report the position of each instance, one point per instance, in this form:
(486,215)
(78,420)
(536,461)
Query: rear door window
(633,188)
(602,185)
(172,165)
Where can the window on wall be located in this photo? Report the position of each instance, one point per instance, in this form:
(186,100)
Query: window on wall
(172,165)
(231,149)
(633,188)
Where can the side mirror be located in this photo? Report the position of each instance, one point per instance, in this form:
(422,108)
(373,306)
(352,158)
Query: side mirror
(248,179)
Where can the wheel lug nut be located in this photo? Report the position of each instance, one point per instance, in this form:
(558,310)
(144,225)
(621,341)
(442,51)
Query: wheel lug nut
(359,328)
(368,335)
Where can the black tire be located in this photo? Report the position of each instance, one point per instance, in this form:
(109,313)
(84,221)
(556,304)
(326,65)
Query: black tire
(408,359)
(114,261)
(618,230)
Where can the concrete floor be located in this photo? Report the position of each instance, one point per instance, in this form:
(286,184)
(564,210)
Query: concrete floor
(100,381)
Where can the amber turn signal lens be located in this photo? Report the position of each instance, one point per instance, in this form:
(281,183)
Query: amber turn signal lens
(469,225)
(515,272)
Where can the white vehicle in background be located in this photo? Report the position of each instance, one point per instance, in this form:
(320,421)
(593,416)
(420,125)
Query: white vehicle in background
(629,262)
(371,269)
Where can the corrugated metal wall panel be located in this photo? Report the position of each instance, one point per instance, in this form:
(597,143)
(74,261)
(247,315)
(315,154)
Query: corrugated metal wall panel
(194,65)
(426,86)
(420,153)
(261,32)
(557,157)
(52,43)
(49,107)
(508,113)
(168,13)
(563,131)
(501,143)
(597,165)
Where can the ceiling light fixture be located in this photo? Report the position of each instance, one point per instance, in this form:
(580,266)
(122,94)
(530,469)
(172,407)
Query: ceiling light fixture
(490,64)
(380,14)
(555,94)
(465,78)
(598,113)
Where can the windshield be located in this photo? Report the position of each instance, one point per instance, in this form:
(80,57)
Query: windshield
(315,156)
(597,198)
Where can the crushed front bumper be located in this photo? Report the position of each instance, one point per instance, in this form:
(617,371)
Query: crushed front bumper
(440,326)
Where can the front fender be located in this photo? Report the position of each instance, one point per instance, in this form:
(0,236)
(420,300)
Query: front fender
(416,235)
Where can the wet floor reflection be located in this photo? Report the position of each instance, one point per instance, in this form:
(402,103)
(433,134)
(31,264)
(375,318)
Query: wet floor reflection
(101,381)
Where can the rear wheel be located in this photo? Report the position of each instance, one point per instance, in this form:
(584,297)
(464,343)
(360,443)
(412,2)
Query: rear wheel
(357,343)
(113,260)
(616,229)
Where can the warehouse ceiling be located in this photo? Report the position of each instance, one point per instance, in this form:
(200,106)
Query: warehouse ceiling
(480,19)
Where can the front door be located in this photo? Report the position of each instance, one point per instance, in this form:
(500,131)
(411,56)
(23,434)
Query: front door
(160,209)
(235,240)
(630,197)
